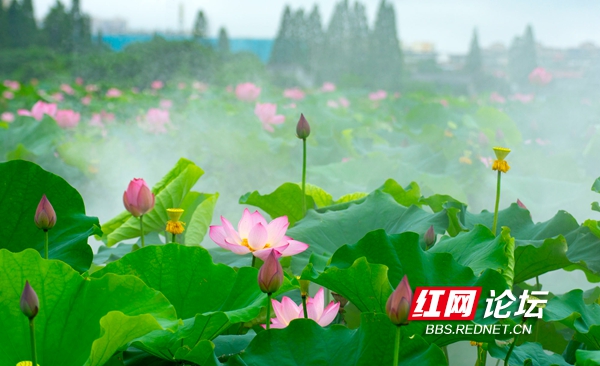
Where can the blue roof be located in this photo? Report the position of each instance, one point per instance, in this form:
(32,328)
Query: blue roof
(260,47)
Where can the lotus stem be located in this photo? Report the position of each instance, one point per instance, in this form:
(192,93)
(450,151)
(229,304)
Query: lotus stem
(497,202)
(303,177)
(269,311)
(253,261)
(304,307)
(512,346)
(46,243)
(481,356)
(142,229)
(32,336)
(396,346)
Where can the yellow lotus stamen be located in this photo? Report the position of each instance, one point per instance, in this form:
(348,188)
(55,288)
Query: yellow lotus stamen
(501,165)
(175,227)
(501,152)
(478,344)
(174,214)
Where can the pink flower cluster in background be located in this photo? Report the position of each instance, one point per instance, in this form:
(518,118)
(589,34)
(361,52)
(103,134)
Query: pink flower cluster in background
(39,109)
(294,94)
(267,113)
(539,76)
(247,92)
(378,95)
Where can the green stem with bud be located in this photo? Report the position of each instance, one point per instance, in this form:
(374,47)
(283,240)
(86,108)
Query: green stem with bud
(304,177)
(497,202)
(304,307)
(32,335)
(142,229)
(396,346)
(46,243)
(269,312)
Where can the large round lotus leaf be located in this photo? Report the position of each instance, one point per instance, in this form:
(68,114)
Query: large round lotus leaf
(81,321)
(22,185)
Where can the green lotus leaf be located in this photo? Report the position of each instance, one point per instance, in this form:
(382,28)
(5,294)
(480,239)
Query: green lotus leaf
(173,191)
(82,321)
(23,185)
(304,342)
(208,297)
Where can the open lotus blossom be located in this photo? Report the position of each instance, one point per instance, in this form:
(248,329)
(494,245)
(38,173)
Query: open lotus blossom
(267,113)
(14,85)
(7,117)
(255,236)
(38,110)
(113,93)
(378,95)
(328,87)
(67,118)
(287,310)
(539,76)
(294,93)
(156,121)
(247,92)
(67,89)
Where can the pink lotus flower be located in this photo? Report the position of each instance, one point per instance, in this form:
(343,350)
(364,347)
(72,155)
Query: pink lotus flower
(86,100)
(255,236)
(378,95)
(345,103)
(58,97)
(8,95)
(267,113)
(294,93)
(247,92)
(539,76)
(67,118)
(14,85)
(113,93)
(497,98)
(328,87)
(91,88)
(7,117)
(67,89)
(156,121)
(523,98)
(157,84)
(166,103)
(79,81)
(287,310)
(138,198)
(38,110)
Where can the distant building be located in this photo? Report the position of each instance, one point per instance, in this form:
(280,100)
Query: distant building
(109,26)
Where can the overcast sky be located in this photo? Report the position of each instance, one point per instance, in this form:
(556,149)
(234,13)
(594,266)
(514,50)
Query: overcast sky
(446,23)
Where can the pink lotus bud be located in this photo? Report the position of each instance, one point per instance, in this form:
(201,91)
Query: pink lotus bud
(430,237)
(30,304)
(302,128)
(138,199)
(270,275)
(45,217)
(398,304)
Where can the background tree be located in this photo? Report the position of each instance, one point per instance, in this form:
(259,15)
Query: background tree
(223,42)
(314,40)
(4,39)
(81,28)
(283,45)
(200,30)
(58,28)
(522,57)
(27,26)
(338,45)
(474,62)
(386,55)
